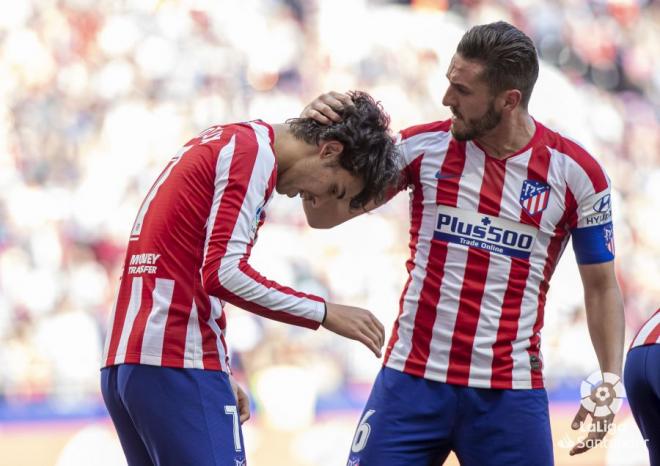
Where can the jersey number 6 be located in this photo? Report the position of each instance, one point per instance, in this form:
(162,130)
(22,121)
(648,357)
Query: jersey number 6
(362,433)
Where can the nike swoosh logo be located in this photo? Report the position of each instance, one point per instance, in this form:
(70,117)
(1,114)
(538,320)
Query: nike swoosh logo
(440,176)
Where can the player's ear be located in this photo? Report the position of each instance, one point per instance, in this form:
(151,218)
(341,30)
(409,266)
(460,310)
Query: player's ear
(331,150)
(511,99)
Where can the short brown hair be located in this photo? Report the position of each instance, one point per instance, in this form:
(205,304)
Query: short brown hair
(508,55)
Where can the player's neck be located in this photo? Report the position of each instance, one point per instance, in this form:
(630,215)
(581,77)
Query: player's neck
(288,149)
(509,137)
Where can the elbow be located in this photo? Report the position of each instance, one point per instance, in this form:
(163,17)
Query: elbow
(218,283)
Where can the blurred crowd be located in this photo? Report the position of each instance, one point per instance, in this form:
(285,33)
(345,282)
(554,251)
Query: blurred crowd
(98,95)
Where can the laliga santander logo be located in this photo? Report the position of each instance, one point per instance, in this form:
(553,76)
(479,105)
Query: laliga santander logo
(602,394)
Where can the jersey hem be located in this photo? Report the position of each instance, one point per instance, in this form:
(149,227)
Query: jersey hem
(156,360)
(513,384)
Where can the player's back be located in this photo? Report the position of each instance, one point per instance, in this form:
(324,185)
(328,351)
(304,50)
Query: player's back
(163,316)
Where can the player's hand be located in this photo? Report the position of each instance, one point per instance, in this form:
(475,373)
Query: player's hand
(357,324)
(597,431)
(242,400)
(323,108)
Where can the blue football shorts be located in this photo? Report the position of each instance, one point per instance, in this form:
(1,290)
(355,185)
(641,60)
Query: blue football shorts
(173,417)
(410,420)
(641,377)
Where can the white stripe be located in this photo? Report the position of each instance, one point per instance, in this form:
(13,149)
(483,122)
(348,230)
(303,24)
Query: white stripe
(154,331)
(131,312)
(222,165)
(193,354)
(646,330)
(216,313)
(435,147)
(454,269)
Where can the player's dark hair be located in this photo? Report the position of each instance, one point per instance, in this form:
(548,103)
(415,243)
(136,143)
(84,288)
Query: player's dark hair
(508,55)
(369,151)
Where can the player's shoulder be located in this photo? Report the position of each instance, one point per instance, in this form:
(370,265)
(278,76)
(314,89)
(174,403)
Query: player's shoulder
(255,131)
(439,127)
(568,147)
(575,153)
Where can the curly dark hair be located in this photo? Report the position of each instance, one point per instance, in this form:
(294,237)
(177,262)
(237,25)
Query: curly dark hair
(369,151)
(508,56)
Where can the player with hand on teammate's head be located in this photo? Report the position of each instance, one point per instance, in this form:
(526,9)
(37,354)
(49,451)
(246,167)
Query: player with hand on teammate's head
(494,198)
(166,378)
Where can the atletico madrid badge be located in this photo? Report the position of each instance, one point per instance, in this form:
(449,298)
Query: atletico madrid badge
(534,196)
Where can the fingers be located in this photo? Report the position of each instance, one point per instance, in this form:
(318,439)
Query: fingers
(243,406)
(373,329)
(324,110)
(593,440)
(325,107)
(380,329)
(309,112)
(579,418)
(599,428)
(369,343)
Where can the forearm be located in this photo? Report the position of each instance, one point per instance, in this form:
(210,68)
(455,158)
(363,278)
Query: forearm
(606,326)
(242,286)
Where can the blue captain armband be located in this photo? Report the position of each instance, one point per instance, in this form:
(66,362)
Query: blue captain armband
(594,245)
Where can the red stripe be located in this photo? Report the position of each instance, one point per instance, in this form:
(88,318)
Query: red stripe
(272,181)
(416,213)
(210,356)
(447,194)
(268,313)
(554,249)
(436,126)
(573,150)
(134,345)
(476,274)
(123,298)
(176,327)
(653,336)
(646,322)
(507,331)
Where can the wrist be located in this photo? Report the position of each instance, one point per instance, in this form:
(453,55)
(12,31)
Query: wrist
(325,312)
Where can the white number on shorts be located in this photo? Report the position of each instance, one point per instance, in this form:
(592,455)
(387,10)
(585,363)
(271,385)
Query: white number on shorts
(231,410)
(362,433)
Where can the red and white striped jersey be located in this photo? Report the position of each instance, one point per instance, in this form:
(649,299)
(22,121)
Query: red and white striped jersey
(188,254)
(649,334)
(485,237)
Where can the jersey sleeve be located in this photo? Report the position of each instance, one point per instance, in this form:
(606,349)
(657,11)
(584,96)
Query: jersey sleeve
(244,170)
(405,159)
(592,229)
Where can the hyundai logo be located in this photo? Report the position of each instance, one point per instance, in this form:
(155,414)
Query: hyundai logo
(603,204)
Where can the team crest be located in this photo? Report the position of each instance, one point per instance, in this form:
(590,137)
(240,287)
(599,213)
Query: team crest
(239,462)
(534,196)
(608,232)
(353,462)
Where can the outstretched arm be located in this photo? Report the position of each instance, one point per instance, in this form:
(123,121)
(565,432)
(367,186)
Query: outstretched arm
(605,319)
